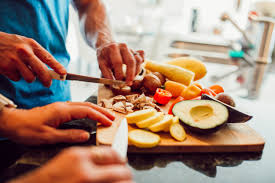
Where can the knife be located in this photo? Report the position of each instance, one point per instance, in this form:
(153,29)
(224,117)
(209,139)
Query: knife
(76,77)
(120,143)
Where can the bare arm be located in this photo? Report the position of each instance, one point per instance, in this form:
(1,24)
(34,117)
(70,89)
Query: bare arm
(111,55)
(94,22)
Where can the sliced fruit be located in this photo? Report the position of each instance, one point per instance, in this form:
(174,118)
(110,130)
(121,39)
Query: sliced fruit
(172,72)
(162,96)
(191,64)
(191,92)
(176,119)
(143,139)
(162,125)
(138,116)
(202,116)
(150,121)
(174,88)
(177,132)
(235,116)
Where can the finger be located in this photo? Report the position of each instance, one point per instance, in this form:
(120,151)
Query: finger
(112,173)
(141,53)
(105,156)
(130,62)
(80,112)
(38,67)
(25,71)
(96,107)
(105,69)
(116,61)
(47,58)
(67,136)
(139,61)
(62,112)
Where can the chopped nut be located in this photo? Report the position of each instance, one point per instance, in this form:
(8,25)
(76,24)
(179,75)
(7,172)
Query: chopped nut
(119,107)
(106,103)
(118,98)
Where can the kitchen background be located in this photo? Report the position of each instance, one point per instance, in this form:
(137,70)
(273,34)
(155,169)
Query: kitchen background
(166,29)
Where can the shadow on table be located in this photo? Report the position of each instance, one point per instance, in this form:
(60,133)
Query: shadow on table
(205,163)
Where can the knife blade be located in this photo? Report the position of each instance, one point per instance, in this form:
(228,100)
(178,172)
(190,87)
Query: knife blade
(120,143)
(77,77)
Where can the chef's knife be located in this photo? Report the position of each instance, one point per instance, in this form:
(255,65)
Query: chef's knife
(77,77)
(120,143)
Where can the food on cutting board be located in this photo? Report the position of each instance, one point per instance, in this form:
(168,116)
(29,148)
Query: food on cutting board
(162,96)
(138,116)
(192,64)
(225,98)
(150,121)
(172,72)
(137,83)
(175,88)
(129,103)
(143,139)
(151,82)
(177,132)
(162,125)
(217,89)
(191,92)
(202,116)
(157,122)
(161,77)
(235,116)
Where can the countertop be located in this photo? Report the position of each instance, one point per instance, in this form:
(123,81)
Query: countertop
(192,167)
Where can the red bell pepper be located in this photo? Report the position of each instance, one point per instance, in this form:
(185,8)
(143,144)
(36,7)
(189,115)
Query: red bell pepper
(162,96)
(178,99)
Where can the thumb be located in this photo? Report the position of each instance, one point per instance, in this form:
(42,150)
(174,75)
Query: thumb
(70,136)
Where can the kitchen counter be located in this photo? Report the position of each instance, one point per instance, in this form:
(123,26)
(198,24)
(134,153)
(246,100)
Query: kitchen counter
(191,167)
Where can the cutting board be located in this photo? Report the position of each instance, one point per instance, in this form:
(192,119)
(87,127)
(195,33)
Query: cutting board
(234,137)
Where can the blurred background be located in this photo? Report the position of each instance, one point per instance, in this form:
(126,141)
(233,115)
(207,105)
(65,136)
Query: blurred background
(234,38)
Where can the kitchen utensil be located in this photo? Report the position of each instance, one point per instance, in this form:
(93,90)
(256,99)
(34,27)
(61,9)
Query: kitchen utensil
(76,77)
(120,143)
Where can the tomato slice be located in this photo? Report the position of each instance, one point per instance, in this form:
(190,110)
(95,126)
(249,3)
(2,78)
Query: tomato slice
(162,96)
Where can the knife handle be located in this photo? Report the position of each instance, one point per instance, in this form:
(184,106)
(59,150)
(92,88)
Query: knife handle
(56,76)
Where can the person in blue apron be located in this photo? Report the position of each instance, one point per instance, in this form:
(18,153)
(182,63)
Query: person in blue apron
(32,39)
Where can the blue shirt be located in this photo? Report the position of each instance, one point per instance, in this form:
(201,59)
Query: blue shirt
(45,21)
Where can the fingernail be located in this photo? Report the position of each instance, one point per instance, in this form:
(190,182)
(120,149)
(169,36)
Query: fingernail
(85,136)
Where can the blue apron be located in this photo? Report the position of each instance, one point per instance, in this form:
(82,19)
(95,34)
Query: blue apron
(45,21)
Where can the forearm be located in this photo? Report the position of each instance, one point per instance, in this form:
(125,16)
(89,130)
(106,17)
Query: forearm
(94,22)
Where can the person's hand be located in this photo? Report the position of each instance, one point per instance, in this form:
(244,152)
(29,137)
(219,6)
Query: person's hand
(38,125)
(81,165)
(24,57)
(112,56)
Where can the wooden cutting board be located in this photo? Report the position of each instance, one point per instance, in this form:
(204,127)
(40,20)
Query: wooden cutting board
(235,137)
